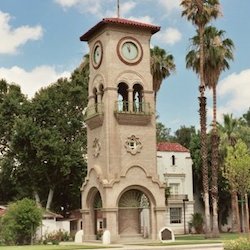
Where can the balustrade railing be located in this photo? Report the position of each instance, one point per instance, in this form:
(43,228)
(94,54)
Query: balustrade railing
(132,107)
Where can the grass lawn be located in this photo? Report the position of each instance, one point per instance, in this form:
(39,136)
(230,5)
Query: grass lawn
(180,240)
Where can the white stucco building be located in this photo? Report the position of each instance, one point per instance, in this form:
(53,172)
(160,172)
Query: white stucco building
(174,165)
(52,223)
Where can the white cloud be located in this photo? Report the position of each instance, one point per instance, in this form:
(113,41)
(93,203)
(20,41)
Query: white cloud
(143,19)
(93,7)
(67,3)
(126,7)
(100,8)
(12,39)
(170,5)
(32,81)
(235,91)
(169,36)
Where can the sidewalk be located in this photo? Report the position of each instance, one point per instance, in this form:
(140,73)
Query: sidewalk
(217,246)
(212,246)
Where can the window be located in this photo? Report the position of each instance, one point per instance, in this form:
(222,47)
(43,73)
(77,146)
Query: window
(175,215)
(173,160)
(174,188)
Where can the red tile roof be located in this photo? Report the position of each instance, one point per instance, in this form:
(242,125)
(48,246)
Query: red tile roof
(119,22)
(171,147)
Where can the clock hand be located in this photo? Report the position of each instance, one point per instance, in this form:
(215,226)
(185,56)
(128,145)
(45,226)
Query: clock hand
(128,47)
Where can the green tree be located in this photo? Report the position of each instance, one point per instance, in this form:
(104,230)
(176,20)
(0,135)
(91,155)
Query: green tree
(228,132)
(246,117)
(183,135)
(217,53)
(162,65)
(162,133)
(237,172)
(12,106)
(19,223)
(50,143)
(200,13)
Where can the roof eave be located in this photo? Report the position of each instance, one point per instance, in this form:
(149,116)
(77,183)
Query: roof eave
(118,22)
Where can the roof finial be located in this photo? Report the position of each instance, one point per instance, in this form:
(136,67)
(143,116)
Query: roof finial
(118,8)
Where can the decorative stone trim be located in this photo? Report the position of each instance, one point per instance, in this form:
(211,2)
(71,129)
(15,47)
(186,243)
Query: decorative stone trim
(133,145)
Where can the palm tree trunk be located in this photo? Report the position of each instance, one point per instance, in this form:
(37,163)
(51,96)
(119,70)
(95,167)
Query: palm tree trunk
(215,159)
(203,125)
(205,166)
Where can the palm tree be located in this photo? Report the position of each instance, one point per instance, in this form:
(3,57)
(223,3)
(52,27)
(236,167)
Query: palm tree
(162,65)
(200,13)
(228,135)
(217,52)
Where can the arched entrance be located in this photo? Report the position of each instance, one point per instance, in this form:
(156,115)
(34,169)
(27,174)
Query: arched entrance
(98,216)
(134,214)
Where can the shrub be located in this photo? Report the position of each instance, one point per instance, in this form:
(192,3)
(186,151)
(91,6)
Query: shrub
(239,244)
(56,236)
(197,222)
(19,223)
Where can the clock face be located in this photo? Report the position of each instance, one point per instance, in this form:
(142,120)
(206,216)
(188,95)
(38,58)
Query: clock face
(129,50)
(97,54)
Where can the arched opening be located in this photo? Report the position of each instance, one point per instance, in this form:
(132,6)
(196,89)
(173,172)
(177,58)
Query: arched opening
(95,98)
(101,90)
(122,97)
(98,216)
(134,214)
(137,98)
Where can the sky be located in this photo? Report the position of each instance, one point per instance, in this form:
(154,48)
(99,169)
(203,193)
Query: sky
(39,43)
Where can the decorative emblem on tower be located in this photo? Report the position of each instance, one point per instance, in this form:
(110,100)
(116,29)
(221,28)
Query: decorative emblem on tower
(96,147)
(133,145)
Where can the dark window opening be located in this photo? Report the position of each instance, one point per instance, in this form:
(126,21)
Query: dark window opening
(123,97)
(137,98)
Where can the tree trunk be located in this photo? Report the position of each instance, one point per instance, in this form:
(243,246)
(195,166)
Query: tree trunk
(50,198)
(203,125)
(235,212)
(37,199)
(205,165)
(247,213)
(214,187)
(215,159)
(242,213)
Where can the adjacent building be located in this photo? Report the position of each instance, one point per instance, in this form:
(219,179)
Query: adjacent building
(174,165)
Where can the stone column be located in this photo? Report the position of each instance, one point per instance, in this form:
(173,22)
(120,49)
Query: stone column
(88,227)
(111,217)
(130,100)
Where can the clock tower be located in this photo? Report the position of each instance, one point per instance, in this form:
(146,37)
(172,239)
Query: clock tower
(122,192)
